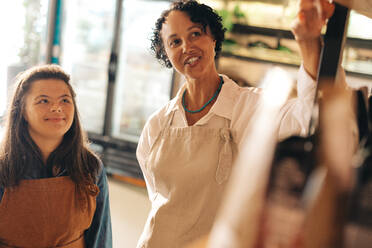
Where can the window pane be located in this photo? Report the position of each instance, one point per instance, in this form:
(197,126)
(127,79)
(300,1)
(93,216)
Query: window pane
(358,56)
(357,21)
(23,24)
(143,85)
(86,45)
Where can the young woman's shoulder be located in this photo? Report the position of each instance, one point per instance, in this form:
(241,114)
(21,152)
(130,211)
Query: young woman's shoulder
(101,171)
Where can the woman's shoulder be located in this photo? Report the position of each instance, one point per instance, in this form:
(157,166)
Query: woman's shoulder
(242,94)
(243,100)
(101,172)
(158,118)
(249,91)
(152,129)
(156,121)
(232,86)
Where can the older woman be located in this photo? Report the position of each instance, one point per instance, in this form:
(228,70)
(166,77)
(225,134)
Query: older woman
(53,188)
(187,148)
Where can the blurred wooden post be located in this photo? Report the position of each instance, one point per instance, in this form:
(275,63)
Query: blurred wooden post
(324,222)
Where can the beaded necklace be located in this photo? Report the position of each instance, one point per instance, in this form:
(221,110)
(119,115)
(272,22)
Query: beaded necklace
(206,104)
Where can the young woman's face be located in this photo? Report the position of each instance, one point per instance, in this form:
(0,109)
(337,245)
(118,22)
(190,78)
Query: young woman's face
(49,109)
(188,47)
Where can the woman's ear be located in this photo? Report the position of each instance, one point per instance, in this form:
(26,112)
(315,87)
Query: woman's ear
(214,46)
(214,43)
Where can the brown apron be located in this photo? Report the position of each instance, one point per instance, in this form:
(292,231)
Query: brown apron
(45,213)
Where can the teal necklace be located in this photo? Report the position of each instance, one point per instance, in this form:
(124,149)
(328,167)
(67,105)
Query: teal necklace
(206,104)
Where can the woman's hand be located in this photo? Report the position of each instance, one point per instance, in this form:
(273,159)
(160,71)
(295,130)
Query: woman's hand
(312,16)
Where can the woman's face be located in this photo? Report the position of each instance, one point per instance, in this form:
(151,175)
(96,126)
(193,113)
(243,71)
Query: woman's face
(49,109)
(188,47)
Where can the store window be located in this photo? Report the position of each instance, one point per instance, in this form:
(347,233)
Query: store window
(23,26)
(143,85)
(87,32)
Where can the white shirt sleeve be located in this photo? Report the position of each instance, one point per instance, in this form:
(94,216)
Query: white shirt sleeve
(143,147)
(148,136)
(142,153)
(296,113)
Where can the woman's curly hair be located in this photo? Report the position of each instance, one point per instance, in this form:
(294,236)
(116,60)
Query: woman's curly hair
(198,13)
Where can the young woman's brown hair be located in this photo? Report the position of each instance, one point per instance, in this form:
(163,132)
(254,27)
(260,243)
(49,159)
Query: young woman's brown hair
(18,150)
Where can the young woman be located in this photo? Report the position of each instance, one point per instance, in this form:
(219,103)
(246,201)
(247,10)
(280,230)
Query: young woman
(187,148)
(53,188)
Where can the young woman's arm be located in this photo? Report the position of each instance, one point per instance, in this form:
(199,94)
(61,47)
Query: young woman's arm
(1,193)
(99,234)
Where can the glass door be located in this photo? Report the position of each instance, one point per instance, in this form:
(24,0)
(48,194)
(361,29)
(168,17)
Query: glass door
(87,32)
(142,84)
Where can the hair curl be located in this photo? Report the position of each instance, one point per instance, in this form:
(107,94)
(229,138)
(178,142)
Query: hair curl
(198,13)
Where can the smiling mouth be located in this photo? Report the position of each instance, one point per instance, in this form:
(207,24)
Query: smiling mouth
(192,60)
(55,119)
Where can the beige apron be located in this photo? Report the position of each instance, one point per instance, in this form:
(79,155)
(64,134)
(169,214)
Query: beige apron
(189,168)
(45,213)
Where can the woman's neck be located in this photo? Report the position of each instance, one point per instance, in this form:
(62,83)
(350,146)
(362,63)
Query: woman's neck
(46,146)
(198,93)
(200,90)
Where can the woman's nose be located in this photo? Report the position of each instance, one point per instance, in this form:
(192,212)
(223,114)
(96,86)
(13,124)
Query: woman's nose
(186,46)
(56,108)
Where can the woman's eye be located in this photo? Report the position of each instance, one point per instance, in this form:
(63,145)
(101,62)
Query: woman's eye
(66,100)
(196,34)
(43,101)
(175,42)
